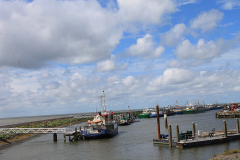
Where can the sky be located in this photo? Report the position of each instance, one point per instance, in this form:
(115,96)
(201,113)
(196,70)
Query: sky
(57,56)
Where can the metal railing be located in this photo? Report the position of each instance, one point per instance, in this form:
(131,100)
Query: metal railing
(34,130)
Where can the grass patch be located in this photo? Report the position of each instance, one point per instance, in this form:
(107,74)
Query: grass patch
(230,151)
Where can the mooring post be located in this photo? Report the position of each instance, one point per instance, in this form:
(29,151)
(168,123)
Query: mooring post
(177,133)
(158,124)
(193,129)
(237,125)
(170,135)
(54,137)
(225,129)
(165,119)
(64,136)
(76,134)
(215,114)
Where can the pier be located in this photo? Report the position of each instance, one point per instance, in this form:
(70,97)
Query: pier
(65,131)
(230,114)
(193,139)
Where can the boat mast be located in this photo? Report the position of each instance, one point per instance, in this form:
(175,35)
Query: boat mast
(104,101)
(101,102)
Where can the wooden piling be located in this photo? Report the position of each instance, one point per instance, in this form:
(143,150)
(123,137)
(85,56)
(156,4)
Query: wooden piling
(158,124)
(215,114)
(64,136)
(170,135)
(193,129)
(177,133)
(54,137)
(165,120)
(225,129)
(76,134)
(237,125)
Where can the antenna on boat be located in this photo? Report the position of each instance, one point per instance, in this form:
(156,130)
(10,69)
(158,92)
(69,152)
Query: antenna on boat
(104,101)
(101,102)
(187,102)
(176,103)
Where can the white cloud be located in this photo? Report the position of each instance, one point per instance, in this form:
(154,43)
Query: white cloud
(184,2)
(52,85)
(145,48)
(228,4)
(41,32)
(176,64)
(173,77)
(207,20)
(33,34)
(145,12)
(172,37)
(110,65)
(129,81)
(203,51)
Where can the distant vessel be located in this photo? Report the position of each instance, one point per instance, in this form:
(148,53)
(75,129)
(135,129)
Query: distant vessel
(178,111)
(124,120)
(102,126)
(153,113)
(193,109)
(145,114)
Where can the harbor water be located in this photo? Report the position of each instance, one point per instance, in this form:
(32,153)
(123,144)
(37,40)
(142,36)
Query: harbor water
(134,141)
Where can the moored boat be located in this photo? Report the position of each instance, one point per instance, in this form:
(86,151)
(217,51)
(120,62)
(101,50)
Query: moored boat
(103,125)
(193,109)
(153,113)
(145,113)
(178,111)
(124,120)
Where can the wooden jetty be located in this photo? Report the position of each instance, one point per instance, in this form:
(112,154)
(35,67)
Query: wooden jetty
(229,114)
(74,135)
(196,139)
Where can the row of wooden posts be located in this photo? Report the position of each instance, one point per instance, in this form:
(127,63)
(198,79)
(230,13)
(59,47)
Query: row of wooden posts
(76,135)
(193,128)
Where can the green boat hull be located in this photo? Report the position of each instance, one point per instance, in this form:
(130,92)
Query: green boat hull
(143,115)
(193,111)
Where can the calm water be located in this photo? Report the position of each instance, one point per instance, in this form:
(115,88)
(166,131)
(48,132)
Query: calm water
(133,142)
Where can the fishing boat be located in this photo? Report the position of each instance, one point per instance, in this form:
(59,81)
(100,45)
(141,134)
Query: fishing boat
(103,125)
(169,112)
(124,120)
(145,114)
(193,109)
(178,111)
(153,113)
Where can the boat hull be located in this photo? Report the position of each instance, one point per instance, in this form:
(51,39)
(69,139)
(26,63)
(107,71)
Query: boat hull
(143,115)
(152,115)
(193,111)
(103,134)
(178,112)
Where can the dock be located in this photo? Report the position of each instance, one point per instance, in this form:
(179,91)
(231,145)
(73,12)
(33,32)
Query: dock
(230,114)
(206,141)
(193,139)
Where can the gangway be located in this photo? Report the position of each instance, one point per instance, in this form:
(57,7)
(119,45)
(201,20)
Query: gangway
(65,131)
(34,130)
